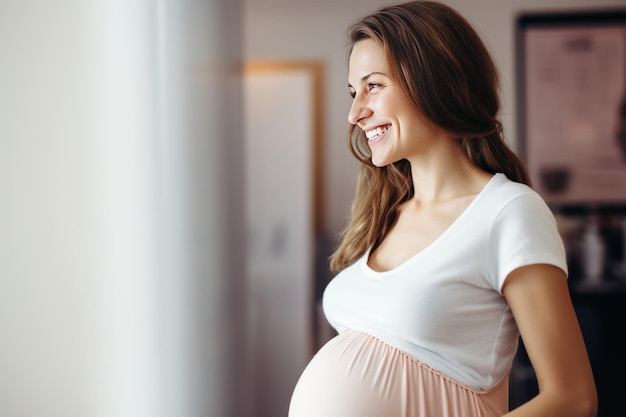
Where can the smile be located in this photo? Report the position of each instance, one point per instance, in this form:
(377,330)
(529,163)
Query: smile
(376,132)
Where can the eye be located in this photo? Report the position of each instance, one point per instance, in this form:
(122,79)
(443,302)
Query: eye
(370,87)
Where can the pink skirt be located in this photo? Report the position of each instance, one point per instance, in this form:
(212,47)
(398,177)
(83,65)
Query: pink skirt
(357,375)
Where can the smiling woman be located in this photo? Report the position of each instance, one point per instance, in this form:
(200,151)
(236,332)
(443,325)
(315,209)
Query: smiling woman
(449,255)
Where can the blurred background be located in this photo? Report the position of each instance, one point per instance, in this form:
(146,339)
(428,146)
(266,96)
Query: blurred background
(173,175)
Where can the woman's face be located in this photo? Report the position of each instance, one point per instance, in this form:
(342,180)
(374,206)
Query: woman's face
(395,129)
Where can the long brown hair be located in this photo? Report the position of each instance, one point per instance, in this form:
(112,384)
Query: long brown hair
(445,69)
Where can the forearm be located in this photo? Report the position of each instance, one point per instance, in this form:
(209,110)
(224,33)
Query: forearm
(574,403)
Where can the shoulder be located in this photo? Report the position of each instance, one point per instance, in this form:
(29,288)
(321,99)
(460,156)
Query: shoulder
(504,195)
(514,209)
(523,231)
(502,187)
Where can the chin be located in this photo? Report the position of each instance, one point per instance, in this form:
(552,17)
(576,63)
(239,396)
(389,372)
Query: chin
(379,164)
(382,161)
(378,160)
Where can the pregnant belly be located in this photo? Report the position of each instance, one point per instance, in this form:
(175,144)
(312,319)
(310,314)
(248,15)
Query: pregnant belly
(356,374)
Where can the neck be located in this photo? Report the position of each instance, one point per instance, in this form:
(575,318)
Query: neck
(445,173)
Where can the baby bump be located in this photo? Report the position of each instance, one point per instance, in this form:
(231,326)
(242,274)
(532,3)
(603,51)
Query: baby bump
(356,374)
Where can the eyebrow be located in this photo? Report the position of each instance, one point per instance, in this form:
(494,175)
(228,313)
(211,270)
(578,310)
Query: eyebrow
(364,78)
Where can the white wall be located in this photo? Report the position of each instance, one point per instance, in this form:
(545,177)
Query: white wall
(121,209)
(302,29)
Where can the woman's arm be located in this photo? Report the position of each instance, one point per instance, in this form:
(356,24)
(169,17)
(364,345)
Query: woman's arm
(540,302)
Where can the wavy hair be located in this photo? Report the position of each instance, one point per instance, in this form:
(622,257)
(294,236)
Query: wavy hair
(446,71)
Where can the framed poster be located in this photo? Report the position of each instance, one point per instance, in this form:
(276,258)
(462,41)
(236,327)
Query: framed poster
(572,104)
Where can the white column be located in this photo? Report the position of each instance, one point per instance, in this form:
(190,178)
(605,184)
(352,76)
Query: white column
(121,218)
(46,222)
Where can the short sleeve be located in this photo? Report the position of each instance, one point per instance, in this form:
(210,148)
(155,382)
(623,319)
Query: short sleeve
(524,233)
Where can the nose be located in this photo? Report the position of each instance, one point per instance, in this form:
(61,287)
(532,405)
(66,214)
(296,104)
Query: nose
(359,110)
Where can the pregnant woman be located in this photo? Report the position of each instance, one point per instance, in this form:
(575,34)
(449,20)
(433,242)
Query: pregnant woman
(449,255)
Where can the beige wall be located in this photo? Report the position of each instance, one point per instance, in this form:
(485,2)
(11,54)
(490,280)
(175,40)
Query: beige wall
(301,29)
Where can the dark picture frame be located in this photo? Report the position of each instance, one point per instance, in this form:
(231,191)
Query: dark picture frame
(571,89)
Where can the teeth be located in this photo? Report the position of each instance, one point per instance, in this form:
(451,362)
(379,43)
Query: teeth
(374,133)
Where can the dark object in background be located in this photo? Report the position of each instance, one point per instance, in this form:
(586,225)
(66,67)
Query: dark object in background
(555,180)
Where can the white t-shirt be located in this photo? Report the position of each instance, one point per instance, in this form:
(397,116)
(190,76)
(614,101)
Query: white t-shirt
(444,306)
